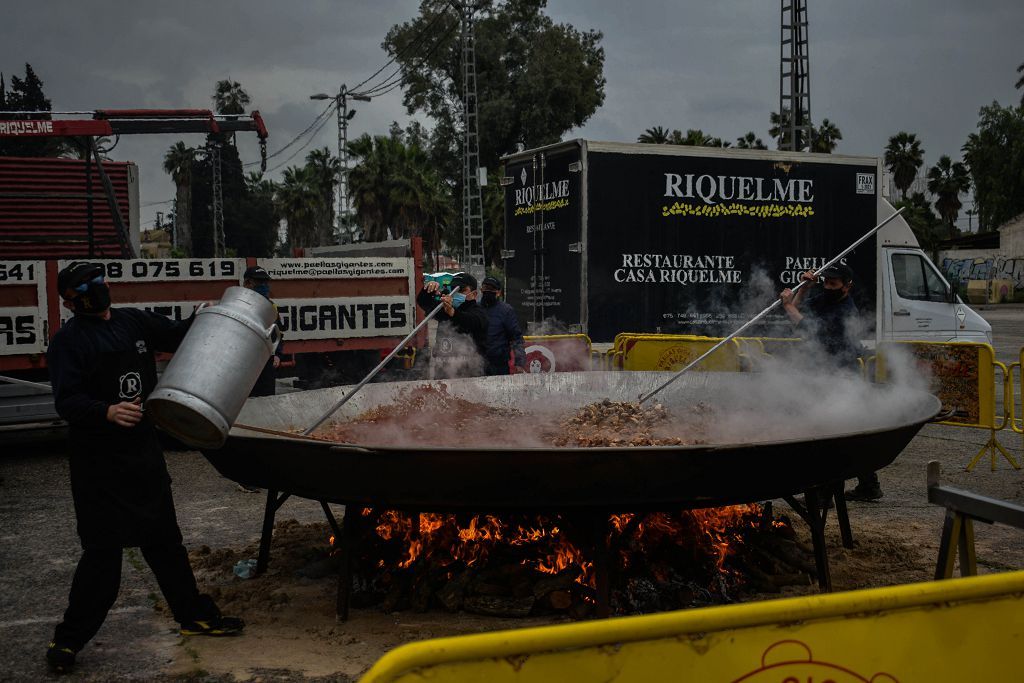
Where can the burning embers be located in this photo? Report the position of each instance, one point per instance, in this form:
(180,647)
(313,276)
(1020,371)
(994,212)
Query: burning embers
(516,565)
(430,416)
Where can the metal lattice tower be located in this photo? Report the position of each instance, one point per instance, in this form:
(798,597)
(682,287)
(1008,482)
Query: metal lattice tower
(472,204)
(218,201)
(795,126)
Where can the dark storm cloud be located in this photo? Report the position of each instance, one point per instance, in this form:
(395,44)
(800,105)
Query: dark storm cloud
(876,67)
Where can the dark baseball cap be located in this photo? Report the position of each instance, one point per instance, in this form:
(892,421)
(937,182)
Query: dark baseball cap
(460,280)
(256,273)
(839,270)
(76,273)
(492,282)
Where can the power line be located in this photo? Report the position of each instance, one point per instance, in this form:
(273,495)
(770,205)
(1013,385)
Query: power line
(320,118)
(401,53)
(391,83)
(304,146)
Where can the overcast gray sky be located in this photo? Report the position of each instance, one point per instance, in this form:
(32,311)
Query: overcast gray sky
(877,67)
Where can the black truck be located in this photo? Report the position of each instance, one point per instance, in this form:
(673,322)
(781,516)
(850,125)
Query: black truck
(602,238)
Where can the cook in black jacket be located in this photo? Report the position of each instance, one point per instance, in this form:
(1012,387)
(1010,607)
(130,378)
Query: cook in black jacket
(504,338)
(832,321)
(102,368)
(462,319)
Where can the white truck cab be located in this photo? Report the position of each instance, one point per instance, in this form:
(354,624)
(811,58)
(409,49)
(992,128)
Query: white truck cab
(914,301)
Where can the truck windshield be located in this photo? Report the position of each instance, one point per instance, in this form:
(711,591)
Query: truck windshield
(916,279)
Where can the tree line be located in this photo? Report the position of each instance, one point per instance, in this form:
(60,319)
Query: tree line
(991,165)
(536,81)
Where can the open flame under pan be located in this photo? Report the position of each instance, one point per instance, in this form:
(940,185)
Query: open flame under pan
(788,439)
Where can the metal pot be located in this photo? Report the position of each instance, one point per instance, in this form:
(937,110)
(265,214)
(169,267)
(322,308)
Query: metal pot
(209,378)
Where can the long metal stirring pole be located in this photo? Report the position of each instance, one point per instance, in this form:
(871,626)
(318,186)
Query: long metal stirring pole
(25,382)
(373,373)
(765,312)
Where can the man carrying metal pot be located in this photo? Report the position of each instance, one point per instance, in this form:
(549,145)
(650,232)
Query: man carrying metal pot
(102,369)
(504,338)
(257,279)
(460,345)
(832,322)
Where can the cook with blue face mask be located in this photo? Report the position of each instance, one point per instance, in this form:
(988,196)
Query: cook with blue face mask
(257,279)
(461,327)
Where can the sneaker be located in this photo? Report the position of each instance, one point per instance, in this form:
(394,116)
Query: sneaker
(864,493)
(60,657)
(218,626)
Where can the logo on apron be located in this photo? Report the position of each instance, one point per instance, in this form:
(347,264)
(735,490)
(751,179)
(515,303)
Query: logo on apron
(130,386)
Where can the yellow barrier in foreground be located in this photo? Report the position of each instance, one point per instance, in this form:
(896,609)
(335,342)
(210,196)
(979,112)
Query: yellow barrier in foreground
(967,629)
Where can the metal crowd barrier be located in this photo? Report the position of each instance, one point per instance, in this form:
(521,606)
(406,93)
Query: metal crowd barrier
(963,376)
(558,353)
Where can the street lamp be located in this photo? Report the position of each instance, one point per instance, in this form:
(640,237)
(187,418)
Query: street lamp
(344,116)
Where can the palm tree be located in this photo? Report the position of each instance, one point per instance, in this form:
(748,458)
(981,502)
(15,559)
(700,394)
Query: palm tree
(655,136)
(325,171)
(298,201)
(750,141)
(826,137)
(396,189)
(947,181)
(778,129)
(178,163)
(695,137)
(903,156)
(230,98)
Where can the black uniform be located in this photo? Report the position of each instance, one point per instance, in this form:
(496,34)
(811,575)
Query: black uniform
(119,479)
(504,338)
(448,355)
(833,325)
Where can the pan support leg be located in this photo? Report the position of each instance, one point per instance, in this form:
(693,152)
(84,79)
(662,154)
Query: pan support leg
(814,511)
(602,564)
(842,514)
(274,501)
(348,541)
(588,530)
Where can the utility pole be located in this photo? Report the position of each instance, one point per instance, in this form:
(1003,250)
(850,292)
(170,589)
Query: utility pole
(213,151)
(795,79)
(472,204)
(343,212)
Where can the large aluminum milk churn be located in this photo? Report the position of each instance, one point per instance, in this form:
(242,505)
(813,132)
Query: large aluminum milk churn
(210,376)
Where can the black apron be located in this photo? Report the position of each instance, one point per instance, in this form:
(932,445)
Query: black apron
(119,479)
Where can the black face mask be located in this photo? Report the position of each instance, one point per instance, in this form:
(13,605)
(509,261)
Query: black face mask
(93,301)
(490,298)
(832,295)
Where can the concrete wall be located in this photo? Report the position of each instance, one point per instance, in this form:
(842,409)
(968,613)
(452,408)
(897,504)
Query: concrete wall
(1007,263)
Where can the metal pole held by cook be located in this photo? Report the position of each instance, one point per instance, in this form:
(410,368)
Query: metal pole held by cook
(765,312)
(373,373)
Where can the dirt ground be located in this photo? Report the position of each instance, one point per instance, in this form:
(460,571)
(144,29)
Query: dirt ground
(292,632)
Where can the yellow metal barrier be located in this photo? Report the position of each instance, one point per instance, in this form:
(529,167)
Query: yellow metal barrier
(954,630)
(963,377)
(558,353)
(676,351)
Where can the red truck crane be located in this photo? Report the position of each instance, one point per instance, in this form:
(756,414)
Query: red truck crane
(26,183)
(341,311)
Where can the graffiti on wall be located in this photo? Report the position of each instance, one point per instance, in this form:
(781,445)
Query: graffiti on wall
(959,271)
